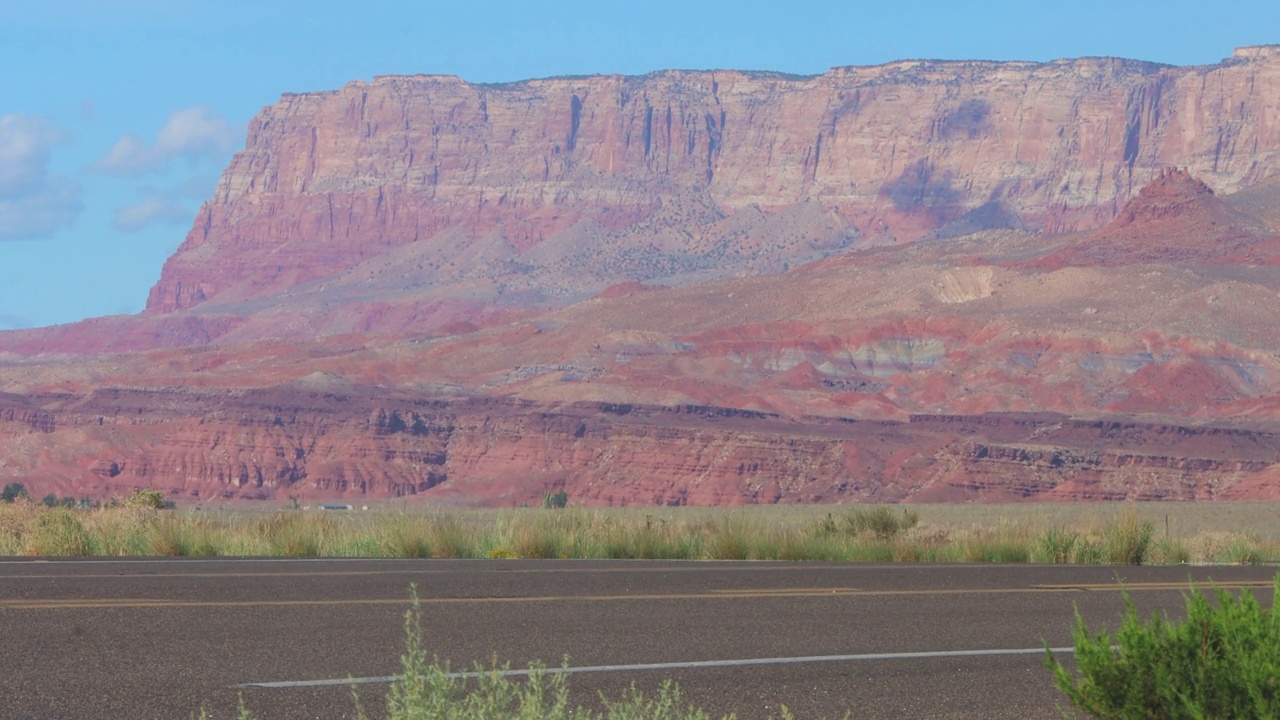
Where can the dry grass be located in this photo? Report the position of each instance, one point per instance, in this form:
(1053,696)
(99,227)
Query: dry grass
(1112,534)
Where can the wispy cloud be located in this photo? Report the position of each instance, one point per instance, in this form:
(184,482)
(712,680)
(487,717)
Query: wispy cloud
(155,208)
(9,321)
(34,202)
(25,144)
(196,134)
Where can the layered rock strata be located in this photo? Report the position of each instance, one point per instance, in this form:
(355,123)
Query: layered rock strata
(567,185)
(273,444)
(692,288)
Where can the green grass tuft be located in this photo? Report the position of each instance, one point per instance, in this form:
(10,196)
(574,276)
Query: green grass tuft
(1129,540)
(859,534)
(60,532)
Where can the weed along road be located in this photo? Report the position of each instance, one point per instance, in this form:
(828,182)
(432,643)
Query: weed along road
(164,638)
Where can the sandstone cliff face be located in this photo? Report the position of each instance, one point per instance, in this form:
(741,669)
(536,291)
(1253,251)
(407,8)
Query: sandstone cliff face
(577,183)
(477,294)
(370,443)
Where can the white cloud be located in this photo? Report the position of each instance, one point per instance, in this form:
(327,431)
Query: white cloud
(197,134)
(149,210)
(40,213)
(129,156)
(34,202)
(9,321)
(25,142)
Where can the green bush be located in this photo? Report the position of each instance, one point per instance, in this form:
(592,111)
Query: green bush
(12,492)
(149,499)
(880,522)
(1223,661)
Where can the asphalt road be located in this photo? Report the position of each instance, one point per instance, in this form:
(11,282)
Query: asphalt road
(165,638)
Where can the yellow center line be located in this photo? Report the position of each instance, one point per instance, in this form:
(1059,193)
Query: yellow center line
(1181,585)
(162,603)
(694,566)
(722,594)
(765,592)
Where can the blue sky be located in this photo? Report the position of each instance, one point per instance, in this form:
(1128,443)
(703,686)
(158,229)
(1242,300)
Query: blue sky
(117,116)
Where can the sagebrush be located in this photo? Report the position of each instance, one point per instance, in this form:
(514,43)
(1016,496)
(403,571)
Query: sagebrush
(843,533)
(1223,661)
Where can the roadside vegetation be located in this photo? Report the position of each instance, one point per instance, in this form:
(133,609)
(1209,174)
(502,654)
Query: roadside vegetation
(1222,661)
(428,688)
(139,526)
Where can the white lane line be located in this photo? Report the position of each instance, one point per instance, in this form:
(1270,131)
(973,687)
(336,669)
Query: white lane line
(676,666)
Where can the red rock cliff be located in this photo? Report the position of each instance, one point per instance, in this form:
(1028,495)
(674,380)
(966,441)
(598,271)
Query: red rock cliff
(484,180)
(356,442)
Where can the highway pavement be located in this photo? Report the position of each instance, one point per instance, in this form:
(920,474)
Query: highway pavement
(167,638)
